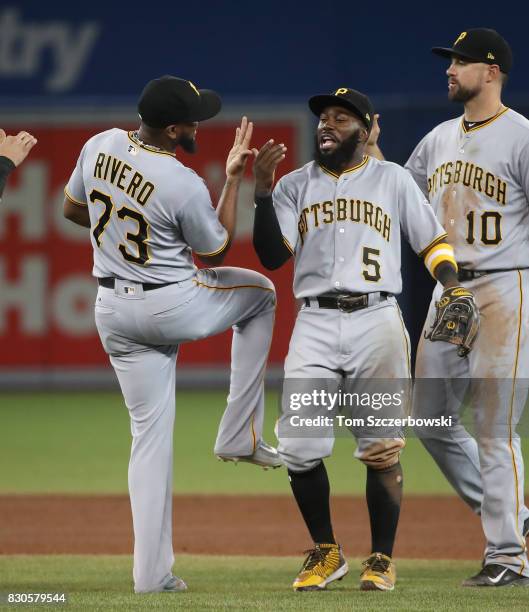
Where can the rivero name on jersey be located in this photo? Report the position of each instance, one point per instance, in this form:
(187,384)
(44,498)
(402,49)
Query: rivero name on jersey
(119,173)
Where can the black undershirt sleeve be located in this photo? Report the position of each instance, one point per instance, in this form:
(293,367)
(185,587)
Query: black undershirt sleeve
(267,237)
(6,166)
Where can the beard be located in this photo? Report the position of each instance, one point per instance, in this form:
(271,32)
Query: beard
(338,159)
(188,143)
(463,94)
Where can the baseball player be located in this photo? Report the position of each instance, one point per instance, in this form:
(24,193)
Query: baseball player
(341,217)
(475,172)
(13,151)
(147,213)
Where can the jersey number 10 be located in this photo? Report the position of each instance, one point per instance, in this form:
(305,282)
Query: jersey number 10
(490,227)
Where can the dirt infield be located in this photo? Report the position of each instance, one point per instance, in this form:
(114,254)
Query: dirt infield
(430,528)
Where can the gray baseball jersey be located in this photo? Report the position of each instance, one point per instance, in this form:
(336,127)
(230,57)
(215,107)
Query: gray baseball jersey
(146,209)
(477,181)
(345,230)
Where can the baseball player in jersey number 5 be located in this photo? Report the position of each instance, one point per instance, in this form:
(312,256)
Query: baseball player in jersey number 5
(146,213)
(341,217)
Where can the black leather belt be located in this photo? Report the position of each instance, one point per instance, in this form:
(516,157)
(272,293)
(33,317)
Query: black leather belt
(467,275)
(109,282)
(346,302)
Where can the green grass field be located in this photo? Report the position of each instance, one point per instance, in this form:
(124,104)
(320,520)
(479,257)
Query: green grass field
(79,443)
(250,583)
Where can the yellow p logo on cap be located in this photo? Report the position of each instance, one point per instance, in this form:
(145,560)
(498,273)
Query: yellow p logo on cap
(342,90)
(460,38)
(194,88)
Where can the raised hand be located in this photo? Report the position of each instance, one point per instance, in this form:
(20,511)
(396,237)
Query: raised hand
(240,151)
(375,132)
(16,147)
(264,166)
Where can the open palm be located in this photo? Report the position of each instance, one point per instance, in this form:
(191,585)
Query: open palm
(240,151)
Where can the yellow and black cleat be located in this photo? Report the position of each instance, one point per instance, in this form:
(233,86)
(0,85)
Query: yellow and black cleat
(324,564)
(379,573)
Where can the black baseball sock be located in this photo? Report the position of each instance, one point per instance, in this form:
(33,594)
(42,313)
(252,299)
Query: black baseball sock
(384,494)
(312,490)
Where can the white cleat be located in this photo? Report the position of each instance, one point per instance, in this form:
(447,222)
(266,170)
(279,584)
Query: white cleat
(264,456)
(174,585)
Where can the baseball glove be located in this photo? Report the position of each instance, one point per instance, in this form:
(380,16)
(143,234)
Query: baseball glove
(457,319)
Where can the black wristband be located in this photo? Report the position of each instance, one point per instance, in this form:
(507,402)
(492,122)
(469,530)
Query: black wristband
(6,167)
(6,163)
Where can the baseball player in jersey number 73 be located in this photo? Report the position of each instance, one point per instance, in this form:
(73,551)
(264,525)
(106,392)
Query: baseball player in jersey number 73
(341,217)
(475,172)
(147,213)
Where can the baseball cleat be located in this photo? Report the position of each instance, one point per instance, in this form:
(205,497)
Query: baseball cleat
(494,575)
(265,456)
(379,573)
(324,564)
(174,585)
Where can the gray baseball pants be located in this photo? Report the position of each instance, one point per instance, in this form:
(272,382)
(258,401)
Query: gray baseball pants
(141,331)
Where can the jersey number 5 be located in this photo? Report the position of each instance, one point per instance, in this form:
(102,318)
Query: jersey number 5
(139,238)
(372,271)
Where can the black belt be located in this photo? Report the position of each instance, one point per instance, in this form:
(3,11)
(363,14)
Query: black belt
(346,302)
(467,275)
(109,282)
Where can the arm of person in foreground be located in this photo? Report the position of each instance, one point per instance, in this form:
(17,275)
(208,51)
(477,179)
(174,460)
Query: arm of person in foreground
(13,151)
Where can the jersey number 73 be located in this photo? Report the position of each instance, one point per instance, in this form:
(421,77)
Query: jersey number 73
(139,238)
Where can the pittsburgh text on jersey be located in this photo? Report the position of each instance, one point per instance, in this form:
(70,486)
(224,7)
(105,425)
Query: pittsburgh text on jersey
(470,175)
(343,209)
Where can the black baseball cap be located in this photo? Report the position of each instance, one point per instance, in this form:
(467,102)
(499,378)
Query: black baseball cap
(480,45)
(169,100)
(352,100)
